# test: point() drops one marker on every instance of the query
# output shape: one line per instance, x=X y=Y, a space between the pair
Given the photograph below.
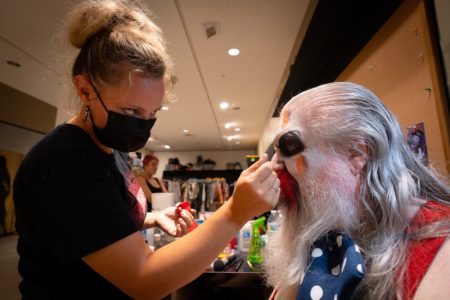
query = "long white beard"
x=327 y=203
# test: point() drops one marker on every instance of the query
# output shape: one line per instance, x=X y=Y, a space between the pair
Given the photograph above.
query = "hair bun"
x=89 y=17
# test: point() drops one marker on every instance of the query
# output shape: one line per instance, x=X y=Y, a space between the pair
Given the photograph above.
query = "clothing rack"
x=203 y=194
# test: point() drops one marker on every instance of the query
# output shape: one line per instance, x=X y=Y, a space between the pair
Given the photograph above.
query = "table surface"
x=238 y=282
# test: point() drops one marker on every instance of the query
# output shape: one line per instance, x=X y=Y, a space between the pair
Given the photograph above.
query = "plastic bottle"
x=273 y=223
x=157 y=241
x=255 y=255
x=245 y=235
x=150 y=233
x=144 y=235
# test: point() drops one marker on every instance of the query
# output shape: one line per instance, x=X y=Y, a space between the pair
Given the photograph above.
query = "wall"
x=18 y=140
x=268 y=135
x=442 y=8
x=220 y=157
x=398 y=65
x=25 y=111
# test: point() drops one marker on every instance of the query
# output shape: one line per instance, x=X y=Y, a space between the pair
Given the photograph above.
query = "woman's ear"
x=84 y=88
x=358 y=158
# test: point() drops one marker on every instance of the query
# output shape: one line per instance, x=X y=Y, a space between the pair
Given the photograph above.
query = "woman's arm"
x=131 y=266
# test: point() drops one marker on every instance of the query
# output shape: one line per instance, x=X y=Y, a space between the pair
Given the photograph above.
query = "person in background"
x=364 y=217
x=149 y=183
x=79 y=231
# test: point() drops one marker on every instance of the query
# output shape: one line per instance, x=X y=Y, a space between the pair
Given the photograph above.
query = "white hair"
x=343 y=116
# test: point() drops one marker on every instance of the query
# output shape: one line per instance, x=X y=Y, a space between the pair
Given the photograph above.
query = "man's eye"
x=290 y=143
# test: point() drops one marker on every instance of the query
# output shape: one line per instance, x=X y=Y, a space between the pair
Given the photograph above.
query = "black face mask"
x=122 y=132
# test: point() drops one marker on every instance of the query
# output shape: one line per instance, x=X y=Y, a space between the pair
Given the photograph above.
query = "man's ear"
x=358 y=158
x=84 y=88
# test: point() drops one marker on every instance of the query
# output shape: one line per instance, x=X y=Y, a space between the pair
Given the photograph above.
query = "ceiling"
x=265 y=31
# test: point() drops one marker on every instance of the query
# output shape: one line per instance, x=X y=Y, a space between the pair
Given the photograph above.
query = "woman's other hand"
x=173 y=223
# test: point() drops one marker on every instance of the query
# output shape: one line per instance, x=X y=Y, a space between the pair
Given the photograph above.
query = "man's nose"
x=277 y=162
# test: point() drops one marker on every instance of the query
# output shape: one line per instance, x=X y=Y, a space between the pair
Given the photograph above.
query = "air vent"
x=211 y=29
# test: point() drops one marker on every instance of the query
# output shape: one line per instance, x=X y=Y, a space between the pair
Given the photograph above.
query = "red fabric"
x=421 y=253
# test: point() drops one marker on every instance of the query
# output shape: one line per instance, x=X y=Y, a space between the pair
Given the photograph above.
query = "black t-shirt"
x=154 y=189
x=71 y=199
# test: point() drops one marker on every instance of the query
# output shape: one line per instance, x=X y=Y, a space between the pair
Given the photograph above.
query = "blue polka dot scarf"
x=335 y=269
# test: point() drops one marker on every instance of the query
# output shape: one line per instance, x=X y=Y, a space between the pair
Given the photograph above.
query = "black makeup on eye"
x=290 y=143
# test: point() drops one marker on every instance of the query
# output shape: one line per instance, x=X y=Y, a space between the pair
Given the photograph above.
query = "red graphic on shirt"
x=139 y=210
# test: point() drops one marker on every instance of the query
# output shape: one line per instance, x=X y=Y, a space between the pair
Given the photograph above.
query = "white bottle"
x=150 y=234
x=273 y=223
x=245 y=236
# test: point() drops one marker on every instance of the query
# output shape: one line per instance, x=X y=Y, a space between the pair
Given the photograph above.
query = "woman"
x=149 y=183
x=79 y=209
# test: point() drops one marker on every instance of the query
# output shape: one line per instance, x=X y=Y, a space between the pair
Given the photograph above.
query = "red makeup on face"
x=289 y=187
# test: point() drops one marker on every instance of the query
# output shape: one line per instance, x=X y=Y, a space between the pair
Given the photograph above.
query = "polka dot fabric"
x=335 y=269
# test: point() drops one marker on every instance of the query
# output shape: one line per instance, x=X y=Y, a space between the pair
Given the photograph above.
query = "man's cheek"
x=300 y=165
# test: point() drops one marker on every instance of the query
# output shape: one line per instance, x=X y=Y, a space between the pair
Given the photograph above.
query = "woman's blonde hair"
x=116 y=37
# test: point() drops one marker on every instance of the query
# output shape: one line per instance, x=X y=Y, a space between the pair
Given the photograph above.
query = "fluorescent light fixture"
x=237 y=129
x=185 y=130
x=165 y=107
x=237 y=142
x=228 y=125
x=230 y=137
x=167 y=146
x=233 y=52
x=224 y=105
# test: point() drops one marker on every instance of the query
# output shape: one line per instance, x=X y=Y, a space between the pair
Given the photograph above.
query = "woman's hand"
x=257 y=191
x=172 y=223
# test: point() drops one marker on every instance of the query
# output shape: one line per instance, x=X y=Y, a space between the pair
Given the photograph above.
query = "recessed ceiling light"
x=185 y=130
x=230 y=138
x=233 y=52
x=165 y=107
x=224 y=105
x=167 y=146
x=13 y=63
x=237 y=142
x=228 y=125
x=237 y=129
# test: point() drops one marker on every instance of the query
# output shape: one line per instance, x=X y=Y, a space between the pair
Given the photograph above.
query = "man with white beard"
x=348 y=175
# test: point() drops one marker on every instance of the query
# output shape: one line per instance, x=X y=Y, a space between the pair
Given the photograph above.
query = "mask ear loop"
x=100 y=98
x=88 y=110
